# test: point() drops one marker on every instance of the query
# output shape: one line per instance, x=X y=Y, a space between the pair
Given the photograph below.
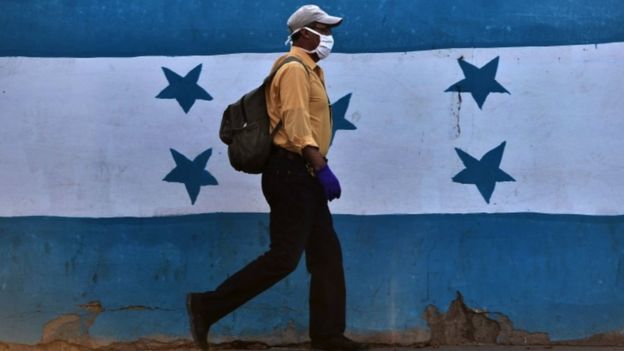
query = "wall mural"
x=184 y=89
x=476 y=144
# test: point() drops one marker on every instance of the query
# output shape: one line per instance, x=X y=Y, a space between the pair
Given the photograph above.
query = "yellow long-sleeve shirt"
x=299 y=99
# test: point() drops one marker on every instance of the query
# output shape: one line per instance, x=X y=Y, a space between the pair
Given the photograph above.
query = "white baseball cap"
x=307 y=14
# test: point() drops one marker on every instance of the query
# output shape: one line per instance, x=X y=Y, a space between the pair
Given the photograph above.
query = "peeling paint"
x=461 y=325
x=73 y=328
x=511 y=336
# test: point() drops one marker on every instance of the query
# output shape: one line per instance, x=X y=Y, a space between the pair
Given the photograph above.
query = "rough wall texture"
x=460 y=325
x=474 y=140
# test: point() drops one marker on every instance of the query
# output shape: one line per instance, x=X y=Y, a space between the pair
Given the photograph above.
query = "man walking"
x=297 y=184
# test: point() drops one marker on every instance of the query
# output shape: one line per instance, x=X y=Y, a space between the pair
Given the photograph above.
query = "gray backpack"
x=245 y=128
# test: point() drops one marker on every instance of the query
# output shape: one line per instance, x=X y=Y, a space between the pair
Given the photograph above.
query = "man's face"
x=309 y=40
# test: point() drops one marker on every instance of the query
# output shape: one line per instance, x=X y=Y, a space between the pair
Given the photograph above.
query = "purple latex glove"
x=330 y=183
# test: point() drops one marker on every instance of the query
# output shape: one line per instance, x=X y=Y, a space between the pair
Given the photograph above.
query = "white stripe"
x=86 y=137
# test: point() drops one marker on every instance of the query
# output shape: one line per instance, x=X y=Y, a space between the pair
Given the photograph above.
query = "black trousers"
x=300 y=222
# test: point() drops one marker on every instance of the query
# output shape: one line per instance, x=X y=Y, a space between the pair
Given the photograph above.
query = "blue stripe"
x=561 y=274
x=119 y=28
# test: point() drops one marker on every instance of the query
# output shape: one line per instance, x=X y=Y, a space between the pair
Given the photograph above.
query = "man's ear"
x=305 y=33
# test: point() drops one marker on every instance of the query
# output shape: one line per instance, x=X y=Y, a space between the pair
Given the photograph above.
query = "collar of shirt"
x=304 y=56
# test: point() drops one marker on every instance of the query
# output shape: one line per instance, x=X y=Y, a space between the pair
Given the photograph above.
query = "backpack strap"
x=269 y=79
x=288 y=59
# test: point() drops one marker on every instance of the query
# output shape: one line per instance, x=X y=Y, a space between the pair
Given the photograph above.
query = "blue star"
x=339 y=110
x=184 y=89
x=483 y=173
x=191 y=173
x=479 y=82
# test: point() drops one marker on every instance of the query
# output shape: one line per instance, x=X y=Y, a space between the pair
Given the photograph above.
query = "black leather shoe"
x=197 y=321
x=336 y=343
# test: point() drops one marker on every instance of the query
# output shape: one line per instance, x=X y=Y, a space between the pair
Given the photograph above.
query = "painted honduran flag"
x=478 y=145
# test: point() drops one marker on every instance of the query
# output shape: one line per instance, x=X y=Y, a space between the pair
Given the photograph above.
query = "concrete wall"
x=476 y=141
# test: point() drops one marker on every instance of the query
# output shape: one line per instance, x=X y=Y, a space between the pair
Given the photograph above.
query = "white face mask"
x=325 y=45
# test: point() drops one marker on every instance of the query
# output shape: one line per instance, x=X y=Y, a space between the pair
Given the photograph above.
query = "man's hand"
x=328 y=180
x=314 y=157
x=330 y=183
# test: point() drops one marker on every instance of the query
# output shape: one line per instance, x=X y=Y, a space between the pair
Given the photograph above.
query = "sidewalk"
x=185 y=345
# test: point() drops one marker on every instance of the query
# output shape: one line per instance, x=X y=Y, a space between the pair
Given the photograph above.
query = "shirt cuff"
x=301 y=142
